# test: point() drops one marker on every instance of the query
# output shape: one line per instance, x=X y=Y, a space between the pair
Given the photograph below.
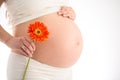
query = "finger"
x=25 y=50
x=64 y=8
x=28 y=45
x=19 y=51
x=33 y=46
x=72 y=16
x=59 y=12
x=67 y=9
x=69 y=14
x=66 y=15
x=31 y=43
x=63 y=13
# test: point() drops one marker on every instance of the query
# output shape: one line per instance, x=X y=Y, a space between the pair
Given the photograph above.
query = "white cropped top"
x=19 y=11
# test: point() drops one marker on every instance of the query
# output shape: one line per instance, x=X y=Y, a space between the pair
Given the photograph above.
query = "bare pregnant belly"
x=64 y=45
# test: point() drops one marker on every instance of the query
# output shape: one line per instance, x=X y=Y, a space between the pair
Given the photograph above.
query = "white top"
x=20 y=11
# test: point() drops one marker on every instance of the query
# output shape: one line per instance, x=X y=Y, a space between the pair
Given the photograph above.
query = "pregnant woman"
x=52 y=59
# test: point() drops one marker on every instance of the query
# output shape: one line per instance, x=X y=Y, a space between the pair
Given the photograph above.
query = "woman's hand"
x=67 y=12
x=22 y=45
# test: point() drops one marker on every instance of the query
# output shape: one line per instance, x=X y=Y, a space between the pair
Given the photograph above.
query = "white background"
x=99 y=22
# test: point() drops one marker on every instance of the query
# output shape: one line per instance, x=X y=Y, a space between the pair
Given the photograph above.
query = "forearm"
x=4 y=35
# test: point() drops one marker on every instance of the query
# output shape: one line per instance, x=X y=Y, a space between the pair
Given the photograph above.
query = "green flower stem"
x=26 y=68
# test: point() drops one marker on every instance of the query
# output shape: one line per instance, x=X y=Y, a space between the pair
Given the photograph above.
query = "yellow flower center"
x=37 y=31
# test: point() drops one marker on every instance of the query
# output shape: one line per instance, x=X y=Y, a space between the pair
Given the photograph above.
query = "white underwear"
x=36 y=70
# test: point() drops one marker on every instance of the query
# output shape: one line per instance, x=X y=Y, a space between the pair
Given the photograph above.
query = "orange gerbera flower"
x=38 y=31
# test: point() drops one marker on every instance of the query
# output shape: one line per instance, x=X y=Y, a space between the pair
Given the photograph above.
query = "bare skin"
x=63 y=47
